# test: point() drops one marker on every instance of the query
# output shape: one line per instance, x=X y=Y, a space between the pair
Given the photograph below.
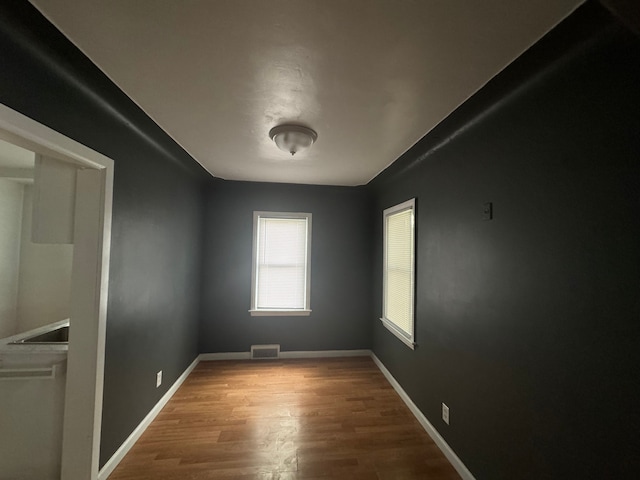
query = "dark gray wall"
x=528 y=325
x=153 y=309
x=340 y=268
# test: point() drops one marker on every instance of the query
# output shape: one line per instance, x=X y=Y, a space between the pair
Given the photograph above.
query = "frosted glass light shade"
x=292 y=138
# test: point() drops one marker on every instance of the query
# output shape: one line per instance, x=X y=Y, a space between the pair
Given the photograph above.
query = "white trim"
x=209 y=357
x=254 y=310
x=401 y=207
x=117 y=457
x=408 y=338
x=326 y=354
x=85 y=358
x=27 y=133
x=398 y=333
x=206 y=357
x=280 y=313
x=460 y=467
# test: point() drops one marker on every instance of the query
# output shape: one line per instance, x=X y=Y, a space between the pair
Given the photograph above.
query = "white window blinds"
x=398 y=295
x=281 y=262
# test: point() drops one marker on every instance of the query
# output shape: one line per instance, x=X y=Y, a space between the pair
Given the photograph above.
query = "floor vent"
x=261 y=352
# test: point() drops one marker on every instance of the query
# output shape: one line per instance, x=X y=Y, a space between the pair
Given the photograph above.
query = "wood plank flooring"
x=313 y=419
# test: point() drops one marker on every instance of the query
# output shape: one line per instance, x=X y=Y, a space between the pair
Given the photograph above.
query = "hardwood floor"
x=284 y=420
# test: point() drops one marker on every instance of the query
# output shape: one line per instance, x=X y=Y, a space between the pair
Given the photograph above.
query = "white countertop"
x=24 y=354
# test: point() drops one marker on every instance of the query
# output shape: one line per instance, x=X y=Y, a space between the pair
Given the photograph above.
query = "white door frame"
x=90 y=285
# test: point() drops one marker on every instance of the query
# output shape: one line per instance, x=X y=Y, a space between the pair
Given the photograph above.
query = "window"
x=399 y=271
x=281 y=263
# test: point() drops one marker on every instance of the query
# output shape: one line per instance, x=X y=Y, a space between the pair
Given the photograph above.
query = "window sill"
x=393 y=329
x=280 y=313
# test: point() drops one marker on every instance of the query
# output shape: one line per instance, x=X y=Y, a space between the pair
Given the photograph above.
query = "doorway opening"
x=83 y=179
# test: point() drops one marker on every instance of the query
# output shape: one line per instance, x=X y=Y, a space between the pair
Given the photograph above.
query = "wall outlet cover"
x=445 y=413
x=158 y=378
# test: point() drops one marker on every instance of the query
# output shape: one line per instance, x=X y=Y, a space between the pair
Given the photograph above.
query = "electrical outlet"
x=445 y=414
x=159 y=379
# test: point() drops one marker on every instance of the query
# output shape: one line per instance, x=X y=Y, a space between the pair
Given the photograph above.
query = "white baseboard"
x=460 y=467
x=117 y=457
x=286 y=355
x=205 y=357
x=326 y=354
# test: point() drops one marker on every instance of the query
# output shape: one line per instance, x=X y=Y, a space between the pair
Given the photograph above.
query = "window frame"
x=267 y=312
x=405 y=337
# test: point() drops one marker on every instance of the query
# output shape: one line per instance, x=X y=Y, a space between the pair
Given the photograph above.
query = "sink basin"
x=56 y=336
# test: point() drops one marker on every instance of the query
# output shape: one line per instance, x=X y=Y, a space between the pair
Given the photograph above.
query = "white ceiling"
x=370 y=76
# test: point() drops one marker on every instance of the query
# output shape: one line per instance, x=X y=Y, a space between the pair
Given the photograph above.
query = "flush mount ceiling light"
x=292 y=138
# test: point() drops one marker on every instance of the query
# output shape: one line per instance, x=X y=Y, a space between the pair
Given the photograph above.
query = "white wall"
x=10 y=224
x=44 y=294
